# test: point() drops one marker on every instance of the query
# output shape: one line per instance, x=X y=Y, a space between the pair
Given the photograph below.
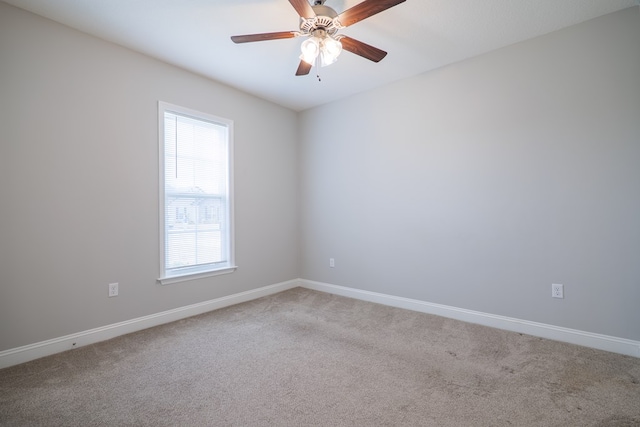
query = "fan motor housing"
x=322 y=10
x=323 y=20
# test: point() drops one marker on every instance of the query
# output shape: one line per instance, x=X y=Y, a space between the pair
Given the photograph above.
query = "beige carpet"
x=305 y=358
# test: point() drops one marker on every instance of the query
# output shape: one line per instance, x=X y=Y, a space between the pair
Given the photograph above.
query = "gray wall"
x=79 y=182
x=480 y=184
x=476 y=186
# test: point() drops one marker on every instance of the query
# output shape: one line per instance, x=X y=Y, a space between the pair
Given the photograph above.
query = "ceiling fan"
x=320 y=24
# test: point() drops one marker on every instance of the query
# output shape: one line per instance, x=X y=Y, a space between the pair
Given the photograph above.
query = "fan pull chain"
x=317 y=68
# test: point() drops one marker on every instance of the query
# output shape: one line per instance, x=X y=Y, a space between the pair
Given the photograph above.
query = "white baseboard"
x=573 y=336
x=29 y=352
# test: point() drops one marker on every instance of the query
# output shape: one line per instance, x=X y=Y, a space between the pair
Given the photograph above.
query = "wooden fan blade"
x=303 y=68
x=264 y=36
x=303 y=8
x=364 y=10
x=359 y=48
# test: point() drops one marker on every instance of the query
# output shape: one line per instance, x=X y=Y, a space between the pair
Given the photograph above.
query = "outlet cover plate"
x=557 y=290
x=113 y=290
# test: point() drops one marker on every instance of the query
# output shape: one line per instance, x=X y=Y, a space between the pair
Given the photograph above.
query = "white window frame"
x=187 y=274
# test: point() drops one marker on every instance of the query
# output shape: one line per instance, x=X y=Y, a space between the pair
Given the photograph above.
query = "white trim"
x=46 y=348
x=193 y=276
x=164 y=107
x=557 y=333
x=29 y=352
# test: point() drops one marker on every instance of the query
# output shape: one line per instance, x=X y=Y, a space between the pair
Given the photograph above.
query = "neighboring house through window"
x=196 y=205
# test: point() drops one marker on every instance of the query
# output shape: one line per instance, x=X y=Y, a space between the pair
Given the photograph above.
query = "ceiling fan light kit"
x=321 y=45
x=320 y=24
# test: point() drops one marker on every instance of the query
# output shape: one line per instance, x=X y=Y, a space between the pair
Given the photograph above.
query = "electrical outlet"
x=113 y=290
x=557 y=291
x=332 y=262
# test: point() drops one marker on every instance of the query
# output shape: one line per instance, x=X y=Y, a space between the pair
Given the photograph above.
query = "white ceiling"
x=420 y=35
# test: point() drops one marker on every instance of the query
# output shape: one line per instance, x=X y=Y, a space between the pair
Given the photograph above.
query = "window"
x=196 y=209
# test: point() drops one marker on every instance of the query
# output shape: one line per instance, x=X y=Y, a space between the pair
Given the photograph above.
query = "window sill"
x=183 y=278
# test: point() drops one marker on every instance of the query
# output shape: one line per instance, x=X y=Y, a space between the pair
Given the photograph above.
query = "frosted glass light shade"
x=330 y=51
x=327 y=48
x=310 y=49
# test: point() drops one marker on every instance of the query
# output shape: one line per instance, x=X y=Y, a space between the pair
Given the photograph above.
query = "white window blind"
x=196 y=211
